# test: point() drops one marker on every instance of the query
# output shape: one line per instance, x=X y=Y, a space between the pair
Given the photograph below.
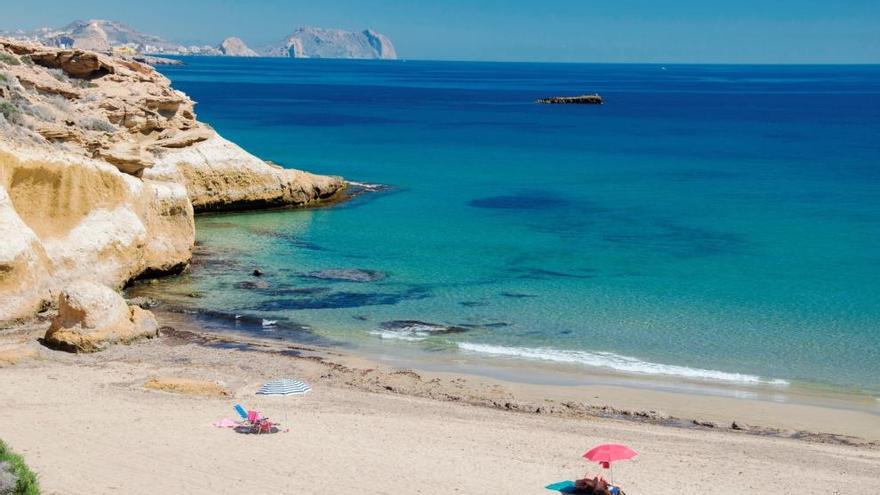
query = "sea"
x=707 y=224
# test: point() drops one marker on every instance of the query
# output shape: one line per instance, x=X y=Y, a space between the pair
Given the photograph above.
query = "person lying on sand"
x=596 y=486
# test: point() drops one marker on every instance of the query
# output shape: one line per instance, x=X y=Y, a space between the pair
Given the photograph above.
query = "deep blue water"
x=707 y=222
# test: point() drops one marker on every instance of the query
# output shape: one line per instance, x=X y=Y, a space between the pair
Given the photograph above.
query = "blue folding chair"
x=242 y=412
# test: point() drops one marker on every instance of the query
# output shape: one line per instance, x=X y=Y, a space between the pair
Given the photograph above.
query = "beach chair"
x=248 y=418
x=242 y=413
x=252 y=421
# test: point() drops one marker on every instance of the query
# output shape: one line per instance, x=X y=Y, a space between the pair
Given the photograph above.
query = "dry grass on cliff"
x=186 y=386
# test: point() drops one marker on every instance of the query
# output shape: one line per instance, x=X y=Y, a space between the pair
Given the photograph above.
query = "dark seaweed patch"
x=524 y=201
x=297 y=291
x=252 y=284
x=346 y=275
x=473 y=304
x=335 y=300
x=679 y=240
x=517 y=295
x=540 y=273
x=494 y=324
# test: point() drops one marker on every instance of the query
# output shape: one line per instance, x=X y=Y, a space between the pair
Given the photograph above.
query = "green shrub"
x=26 y=481
x=7 y=109
x=8 y=58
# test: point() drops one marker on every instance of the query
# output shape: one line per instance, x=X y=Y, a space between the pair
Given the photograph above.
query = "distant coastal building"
x=124 y=50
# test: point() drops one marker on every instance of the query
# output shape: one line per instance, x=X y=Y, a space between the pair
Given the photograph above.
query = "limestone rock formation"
x=92 y=316
x=102 y=166
x=219 y=175
x=312 y=42
x=24 y=265
x=235 y=47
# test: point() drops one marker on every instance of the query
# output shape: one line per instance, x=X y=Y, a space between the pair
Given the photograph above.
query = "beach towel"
x=225 y=423
x=562 y=487
x=569 y=487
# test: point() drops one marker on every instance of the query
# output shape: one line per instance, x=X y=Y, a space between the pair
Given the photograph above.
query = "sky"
x=654 y=31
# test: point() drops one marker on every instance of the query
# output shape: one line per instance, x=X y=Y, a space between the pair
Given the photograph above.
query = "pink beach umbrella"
x=607 y=453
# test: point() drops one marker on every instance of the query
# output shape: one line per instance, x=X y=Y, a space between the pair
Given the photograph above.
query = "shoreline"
x=822 y=418
x=518 y=364
x=106 y=422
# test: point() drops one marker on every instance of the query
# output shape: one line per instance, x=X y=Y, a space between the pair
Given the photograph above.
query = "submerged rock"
x=421 y=326
x=144 y=302
x=348 y=275
x=92 y=317
x=413 y=330
x=252 y=284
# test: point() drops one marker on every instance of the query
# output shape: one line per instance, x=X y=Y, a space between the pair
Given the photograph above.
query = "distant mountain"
x=105 y=36
x=312 y=42
x=307 y=42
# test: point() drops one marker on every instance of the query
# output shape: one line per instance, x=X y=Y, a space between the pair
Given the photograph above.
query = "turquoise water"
x=711 y=223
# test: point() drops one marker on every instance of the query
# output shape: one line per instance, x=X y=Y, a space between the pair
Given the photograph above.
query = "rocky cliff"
x=102 y=165
x=312 y=42
x=235 y=47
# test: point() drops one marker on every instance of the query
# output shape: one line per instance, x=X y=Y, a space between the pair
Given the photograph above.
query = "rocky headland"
x=312 y=42
x=235 y=47
x=102 y=167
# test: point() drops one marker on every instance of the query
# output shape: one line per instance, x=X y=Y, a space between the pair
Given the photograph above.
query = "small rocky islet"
x=593 y=99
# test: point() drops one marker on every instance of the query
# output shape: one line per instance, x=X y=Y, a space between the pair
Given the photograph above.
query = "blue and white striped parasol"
x=285 y=386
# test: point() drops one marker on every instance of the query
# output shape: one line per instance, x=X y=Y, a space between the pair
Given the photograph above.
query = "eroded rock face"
x=24 y=266
x=75 y=63
x=92 y=221
x=92 y=316
x=102 y=165
x=219 y=176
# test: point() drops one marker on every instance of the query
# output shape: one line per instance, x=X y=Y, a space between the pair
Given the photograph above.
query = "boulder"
x=129 y=158
x=93 y=316
x=75 y=63
x=23 y=265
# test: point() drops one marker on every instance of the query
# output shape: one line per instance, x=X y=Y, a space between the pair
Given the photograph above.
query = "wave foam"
x=409 y=337
x=616 y=362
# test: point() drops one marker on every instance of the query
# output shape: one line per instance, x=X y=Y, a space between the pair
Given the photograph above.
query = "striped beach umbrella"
x=285 y=386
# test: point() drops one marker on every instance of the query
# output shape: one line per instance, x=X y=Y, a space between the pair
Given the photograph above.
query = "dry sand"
x=87 y=425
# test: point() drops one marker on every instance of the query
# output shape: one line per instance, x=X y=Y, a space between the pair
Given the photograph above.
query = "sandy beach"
x=92 y=427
